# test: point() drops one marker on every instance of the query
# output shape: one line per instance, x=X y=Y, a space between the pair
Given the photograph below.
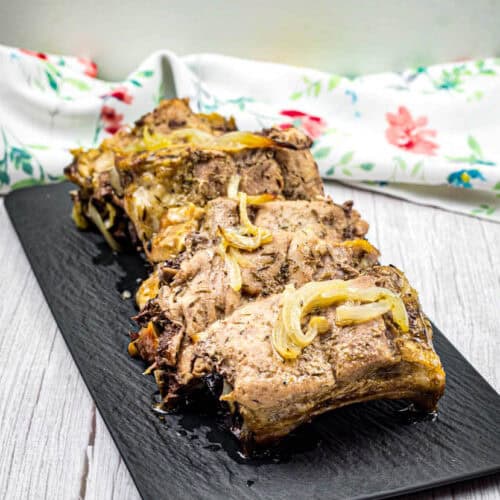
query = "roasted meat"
x=270 y=396
x=259 y=280
x=200 y=291
x=174 y=158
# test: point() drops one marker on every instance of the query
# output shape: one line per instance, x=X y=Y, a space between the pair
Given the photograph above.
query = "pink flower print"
x=406 y=133
x=90 y=67
x=112 y=120
x=40 y=55
x=122 y=94
x=312 y=125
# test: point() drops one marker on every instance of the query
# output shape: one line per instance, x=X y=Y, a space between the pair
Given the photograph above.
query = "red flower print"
x=121 y=93
x=40 y=55
x=89 y=66
x=407 y=133
x=112 y=120
x=312 y=125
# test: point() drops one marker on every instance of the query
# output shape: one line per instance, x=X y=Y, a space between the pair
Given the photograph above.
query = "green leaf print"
x=454 y=79
x=334 y=81
x=135 y=82
x=18 y=157
x=313 y=88
x=148 y=73
x=52 y=81
x=26 y=183
x=367 y=166
x=4 y=177
x=474 y=146
x=400 y=163
x=27 y=168
x=475 y=158
x=480 y=65
x=78 y=84
x=484 y=209
x=321 y=153
x=37 y=146
x=416 y=168
x=346 y=168
x=346 y=158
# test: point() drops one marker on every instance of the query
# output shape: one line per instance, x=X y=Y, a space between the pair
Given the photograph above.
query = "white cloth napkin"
x=430 y=135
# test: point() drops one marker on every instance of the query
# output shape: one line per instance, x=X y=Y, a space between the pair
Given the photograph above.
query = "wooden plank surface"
x=55 y=445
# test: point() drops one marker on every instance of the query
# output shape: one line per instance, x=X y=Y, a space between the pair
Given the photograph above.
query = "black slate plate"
x=368 y=450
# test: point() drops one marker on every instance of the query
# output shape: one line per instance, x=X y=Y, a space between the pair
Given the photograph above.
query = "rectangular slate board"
x=370 y=450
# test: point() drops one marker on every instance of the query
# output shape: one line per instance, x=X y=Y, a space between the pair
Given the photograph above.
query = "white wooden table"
x=53 y=443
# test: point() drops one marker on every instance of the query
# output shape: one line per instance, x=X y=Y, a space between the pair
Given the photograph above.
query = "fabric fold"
x=429 y=135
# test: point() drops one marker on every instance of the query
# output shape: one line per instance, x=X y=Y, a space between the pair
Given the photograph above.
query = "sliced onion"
x=279 y=337
x=109 y=222
x=232 y=266
x=132 y=349
x=96 y=218
x=296 y=305
x=354 y=314
x=244 y=220
x=359 y=243
x=77 y=215
x=247 y=237
x=249 y=243
x=232 y=187
x=114 y=180
x=148 y=290
x=230 y=142
x=259 y=199
x=235 y=141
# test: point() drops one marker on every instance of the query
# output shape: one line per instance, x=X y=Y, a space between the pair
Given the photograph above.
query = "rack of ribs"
x=258 y=280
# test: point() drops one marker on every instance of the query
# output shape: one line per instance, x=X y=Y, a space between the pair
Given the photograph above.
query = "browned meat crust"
x=138 y=184
x=272 y=396
x=198 y=321
x=306 y=246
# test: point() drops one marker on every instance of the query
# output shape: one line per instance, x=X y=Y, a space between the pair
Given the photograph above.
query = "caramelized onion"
x=148 y=290
x=232 y=187
x=77 y=215
x=359 y=243
x=247 y=237
x=288 y=337
x=96 y=218
x=353 y=314
x=230 y=142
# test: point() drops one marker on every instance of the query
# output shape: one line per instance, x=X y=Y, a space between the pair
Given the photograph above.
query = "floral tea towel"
x=430 y=135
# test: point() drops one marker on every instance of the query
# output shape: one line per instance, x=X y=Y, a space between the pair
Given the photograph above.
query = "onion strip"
x=232 y=187
x=247 y=237
x=289 y=339
x=354 y=314
x=96 y=218
x=359 y=243
x=229 y=142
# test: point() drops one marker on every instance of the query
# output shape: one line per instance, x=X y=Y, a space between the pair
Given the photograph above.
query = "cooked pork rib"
x=308 y=247
x=238 y=277
x=174 y=158
x=271 y=396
